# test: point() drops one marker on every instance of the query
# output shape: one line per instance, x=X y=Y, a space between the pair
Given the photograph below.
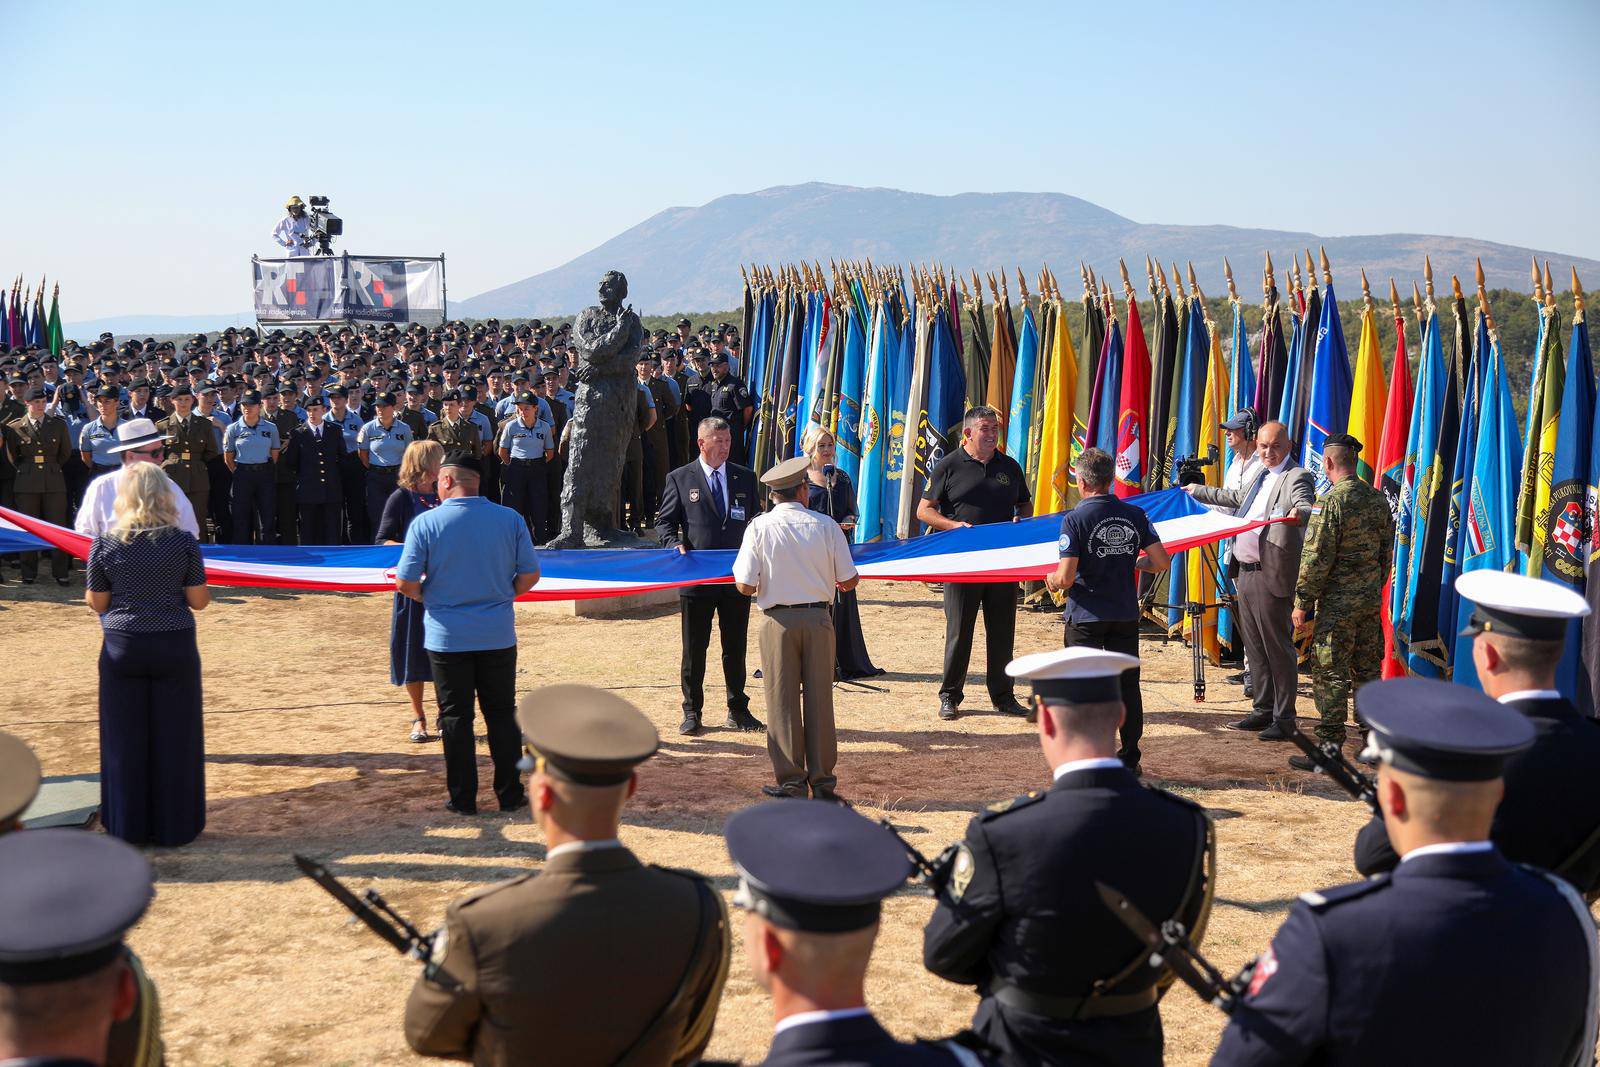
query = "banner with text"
x=349 y=288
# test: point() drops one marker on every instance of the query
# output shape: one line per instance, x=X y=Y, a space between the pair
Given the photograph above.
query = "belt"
x=1249 y=566
x=392 y=471
x=102 y=468
x=513 y=462
x=1073 y=1008
x=252 y=466
x=797 y=607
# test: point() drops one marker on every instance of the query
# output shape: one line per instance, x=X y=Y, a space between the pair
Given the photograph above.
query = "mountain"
x=687 y=258
x=153 y=325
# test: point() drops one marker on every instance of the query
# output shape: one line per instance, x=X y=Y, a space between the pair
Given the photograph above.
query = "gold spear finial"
x=1549 y=286
x=1311 y=271
x=1427 y=276
x=1455 y=287
x=1327 y=275
x=1004 y=292
x=1177 y=283
x=1162 y=275
x=1269 y=280
x=1083 y=272
x=1394 y=299
x=1366 y=291
x=1416 y=298
x=1022 y=283
x=1194 y=286
x=1150 y=276
x=1538 y=281
x=1109 y=301
x=1127 y=285
x=966 y=296
x=1227 y=269
x=1577 y=297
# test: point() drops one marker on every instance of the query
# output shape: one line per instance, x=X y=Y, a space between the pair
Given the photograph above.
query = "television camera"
x=323 y=228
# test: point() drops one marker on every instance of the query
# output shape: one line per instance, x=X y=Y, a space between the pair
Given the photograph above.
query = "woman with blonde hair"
x=417 y=492
x=146 y=580
x=833 y=494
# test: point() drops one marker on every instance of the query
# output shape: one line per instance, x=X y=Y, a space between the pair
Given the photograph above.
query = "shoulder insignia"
x=1318 y=900
x=961 y=871
x=1033 y=796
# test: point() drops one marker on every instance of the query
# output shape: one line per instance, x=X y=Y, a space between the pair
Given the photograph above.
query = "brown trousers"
x=51 y=507
x=797 y=648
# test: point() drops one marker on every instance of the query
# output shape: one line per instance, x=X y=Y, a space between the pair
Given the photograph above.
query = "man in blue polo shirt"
x=1099 y=547
x=465 y=562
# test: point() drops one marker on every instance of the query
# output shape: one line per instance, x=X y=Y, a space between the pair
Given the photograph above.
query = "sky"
x=151 y=146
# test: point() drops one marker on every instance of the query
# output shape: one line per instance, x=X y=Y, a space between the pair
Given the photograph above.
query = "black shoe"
x=1259 y=720
x=947 y=708
x=1302 y=763
x=1135 y=768
x=1239 y=679
x=516 y=805
x=61 y=581
x=1012 y=707
x=451 y=807
x=743 y=720
x=832 y=798
x=777 y=792
x=690 y=724
x=1249 y=690
x=1273 y=733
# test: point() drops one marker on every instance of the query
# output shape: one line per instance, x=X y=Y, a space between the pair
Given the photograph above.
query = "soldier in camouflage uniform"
x=1348 y=546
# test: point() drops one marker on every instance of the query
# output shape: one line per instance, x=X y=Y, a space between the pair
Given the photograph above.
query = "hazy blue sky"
x=150 y=146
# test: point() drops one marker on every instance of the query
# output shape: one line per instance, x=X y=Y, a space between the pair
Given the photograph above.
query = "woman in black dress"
x=408 y=660
x=146 y=580
x=833 y=494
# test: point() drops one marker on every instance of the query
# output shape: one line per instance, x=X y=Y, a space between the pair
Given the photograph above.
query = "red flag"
x=1133 y=414
x=1389 y=470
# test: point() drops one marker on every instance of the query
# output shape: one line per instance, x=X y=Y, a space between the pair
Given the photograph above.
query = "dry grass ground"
x=307 y=751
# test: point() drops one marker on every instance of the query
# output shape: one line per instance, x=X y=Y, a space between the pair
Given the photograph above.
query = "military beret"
x=1342 y=439
x=464 y=461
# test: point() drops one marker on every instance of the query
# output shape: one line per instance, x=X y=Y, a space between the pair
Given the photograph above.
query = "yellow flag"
x=1200 y=584
x=1055 y=438
x=1368 y=401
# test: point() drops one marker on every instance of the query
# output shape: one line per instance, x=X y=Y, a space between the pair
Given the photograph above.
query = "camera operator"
x=293 y=230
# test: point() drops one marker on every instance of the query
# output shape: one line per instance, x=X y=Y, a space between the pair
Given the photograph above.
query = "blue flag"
x=1241 y=375
x=1488 y=527
x=874 y=424
x=1568 y=520
x=1019 y=420
x=1191 y=383
x=1292 y=371
x=1104 y=432
x=1331 y=386
x=851 y=377
x=1455 y=546
x=1428 y=415
x=1530 y=437
x=902 y=361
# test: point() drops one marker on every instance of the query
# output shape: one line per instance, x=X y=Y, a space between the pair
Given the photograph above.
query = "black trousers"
x=1116 y=637
x=380 y=483
x=221 y=501
x=962 y=600
x=52 y=508
x=319 y=522
x=555 y=471
x=152 y=738
x=490 y=677
x=255 y=505
x=359 y=526
x=523 y=488
x=288 y=508
x=731 y=609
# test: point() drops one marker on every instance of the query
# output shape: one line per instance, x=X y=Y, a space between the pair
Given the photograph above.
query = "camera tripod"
x=1194 y=612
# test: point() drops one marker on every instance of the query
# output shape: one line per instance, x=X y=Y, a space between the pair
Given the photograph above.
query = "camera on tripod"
x=1191 y=469
x=324 y=227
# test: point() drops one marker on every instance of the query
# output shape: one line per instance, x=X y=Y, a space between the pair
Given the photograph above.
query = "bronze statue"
x=608 y=339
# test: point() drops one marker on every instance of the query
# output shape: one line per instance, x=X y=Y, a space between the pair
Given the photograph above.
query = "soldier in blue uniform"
x=358 y=523
x=812 y=878
x=381 y=444
x=527 y=444
x=1460 y=956
x=1019 y=914
x=99 y=434
x=1550 y=816
x=250 y=447
x=313 y=455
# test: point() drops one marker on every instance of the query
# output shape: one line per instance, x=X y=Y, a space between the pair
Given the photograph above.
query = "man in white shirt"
x=791 y=560
x=138 y=441
x=290 y=233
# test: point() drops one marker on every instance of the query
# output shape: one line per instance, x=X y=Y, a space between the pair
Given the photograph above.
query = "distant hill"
x=153 y=325
x=689 y=257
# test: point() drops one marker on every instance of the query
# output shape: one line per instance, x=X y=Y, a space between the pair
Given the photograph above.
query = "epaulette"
x=682 y=872
x=494 y=887
x=1322 y=899
x=1033 y=796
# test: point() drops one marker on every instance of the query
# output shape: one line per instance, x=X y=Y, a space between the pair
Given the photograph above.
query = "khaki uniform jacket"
x=573 y=964
x=38 y=452
x=460 y=434
x=10 y=408
x=192 y=446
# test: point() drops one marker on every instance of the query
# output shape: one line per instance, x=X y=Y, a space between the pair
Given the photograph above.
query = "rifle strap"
x=705 y=936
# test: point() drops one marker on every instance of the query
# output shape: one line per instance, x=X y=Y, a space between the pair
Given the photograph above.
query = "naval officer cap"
x=1519 y=606
x=19 y=777
x=813 y=865
x=788 y=474
x=1077 y=675
x=69 y=897
x=1440 y=730
x=584 y=735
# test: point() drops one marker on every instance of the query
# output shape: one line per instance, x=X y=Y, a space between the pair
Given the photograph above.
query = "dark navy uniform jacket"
x=1459 y=959
x=1031 y=916
x=1552 y=801
x=315 y=464
x=859 y=1041
x=688 y=515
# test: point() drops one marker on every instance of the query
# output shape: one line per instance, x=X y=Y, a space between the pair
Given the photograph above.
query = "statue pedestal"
x=637 y=605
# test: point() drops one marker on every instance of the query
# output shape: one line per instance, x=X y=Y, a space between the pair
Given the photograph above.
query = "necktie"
x=716 y=494
x=1255 y=487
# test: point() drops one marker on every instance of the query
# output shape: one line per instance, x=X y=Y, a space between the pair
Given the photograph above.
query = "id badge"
x=736 y=513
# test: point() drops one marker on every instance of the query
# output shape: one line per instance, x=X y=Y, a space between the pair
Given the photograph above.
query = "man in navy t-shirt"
x=1100 y=543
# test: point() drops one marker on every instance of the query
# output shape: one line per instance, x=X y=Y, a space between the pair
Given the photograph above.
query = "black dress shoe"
x=1257 y=721
x=1273 y=733
x=515 y=805
x=1135 y=768
x=947 y=708
x=1302 y=763
x=1012 y=707
x=451 y=807
x=690 y=724
x=743 y=720
x=777 y=792
x=832 y=798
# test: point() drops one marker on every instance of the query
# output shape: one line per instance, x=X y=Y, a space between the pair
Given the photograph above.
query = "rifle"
x=935 y=872
x=1330 y=760
x=1170 y=945
x=381 y=918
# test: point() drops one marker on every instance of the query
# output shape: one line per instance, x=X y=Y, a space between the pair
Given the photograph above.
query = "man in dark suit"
x=1019 y=912
x=313 y=456
x=1550 y=816
x=706 y=504
x=1264 y=567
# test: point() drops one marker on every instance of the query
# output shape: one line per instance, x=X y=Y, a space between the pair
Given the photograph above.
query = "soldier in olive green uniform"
x=1342 y=569
x=38 y=445
x=452 y=430
x=597 y=958
x=191 y=445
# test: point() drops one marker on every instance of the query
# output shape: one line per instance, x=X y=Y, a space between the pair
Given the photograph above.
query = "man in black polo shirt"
x=974 y=485
x=1099 y=546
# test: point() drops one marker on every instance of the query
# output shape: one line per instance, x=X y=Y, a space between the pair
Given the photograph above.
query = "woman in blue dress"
x=414 y=494
x=833 y=494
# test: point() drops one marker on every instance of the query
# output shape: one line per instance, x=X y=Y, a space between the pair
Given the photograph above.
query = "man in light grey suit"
x=1264 y=565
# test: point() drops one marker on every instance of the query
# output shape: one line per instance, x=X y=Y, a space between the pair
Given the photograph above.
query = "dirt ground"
x=307 y=751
